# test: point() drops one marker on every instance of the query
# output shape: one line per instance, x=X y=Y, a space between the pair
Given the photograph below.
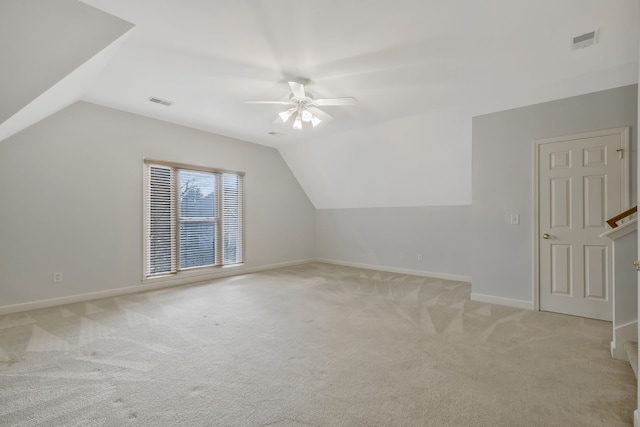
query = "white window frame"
x=218 y=220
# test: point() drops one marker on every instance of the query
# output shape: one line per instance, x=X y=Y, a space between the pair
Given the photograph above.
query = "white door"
x=582 y=182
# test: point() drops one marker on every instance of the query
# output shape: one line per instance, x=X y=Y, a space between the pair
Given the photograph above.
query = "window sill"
x=195 y=274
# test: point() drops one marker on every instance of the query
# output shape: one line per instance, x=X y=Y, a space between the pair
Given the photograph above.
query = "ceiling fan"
x=304 y=107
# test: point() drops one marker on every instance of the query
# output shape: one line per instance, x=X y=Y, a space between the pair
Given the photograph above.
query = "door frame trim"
x=624 y=133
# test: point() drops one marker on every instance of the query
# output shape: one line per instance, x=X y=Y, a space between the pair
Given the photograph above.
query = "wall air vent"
x=160 y=101
x=584 y=40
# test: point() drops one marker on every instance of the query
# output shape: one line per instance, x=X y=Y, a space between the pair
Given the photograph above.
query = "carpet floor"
x=309 y=345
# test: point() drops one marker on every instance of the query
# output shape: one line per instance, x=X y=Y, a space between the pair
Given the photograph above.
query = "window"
x=193 y=218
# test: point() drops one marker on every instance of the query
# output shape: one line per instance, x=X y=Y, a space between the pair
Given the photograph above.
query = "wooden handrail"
x=612 y=221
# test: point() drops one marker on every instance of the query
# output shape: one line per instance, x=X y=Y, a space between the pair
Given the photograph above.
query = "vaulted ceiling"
x=420 y=69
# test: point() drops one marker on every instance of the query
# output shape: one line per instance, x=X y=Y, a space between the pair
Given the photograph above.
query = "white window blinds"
x=160 y=221
x=232 y=218
x=194 y=218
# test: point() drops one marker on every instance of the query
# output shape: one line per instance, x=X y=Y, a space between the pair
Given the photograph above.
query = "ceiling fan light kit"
x=304 y=107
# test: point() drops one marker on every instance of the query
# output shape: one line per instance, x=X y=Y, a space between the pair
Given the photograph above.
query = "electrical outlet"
x=419 y=257
x=57 y=277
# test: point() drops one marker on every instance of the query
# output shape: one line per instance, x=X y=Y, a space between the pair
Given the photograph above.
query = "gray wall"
x=503 y=180
x=393 y=237
x=71 y=200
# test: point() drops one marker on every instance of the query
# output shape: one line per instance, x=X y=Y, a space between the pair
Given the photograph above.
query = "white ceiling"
x=420 y=70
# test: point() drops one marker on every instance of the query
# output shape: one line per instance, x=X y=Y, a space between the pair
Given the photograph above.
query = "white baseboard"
x=420 y=273
x=148 y=286
x=509 y=302
x=622 y=334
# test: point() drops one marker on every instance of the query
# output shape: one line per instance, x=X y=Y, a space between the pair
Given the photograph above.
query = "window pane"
x=197 y=200
x=160 y=227
x=197 y=244
x=232 y=219
x=197 y=194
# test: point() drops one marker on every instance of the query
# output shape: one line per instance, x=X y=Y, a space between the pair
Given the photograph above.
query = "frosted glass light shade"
x=286 y=114
x=298 y=123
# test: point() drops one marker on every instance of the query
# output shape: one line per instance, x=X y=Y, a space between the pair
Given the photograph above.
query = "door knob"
x=546 y=236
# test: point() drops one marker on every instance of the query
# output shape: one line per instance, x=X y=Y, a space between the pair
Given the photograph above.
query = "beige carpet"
x=311 y=345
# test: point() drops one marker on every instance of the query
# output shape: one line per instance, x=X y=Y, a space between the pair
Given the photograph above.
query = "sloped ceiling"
x=51 y=51
x=420 y=70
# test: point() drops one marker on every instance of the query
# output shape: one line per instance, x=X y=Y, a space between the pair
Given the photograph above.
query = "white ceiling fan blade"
x=335 y=101
x=268 y=102
x=298 y=90
x=320 y=114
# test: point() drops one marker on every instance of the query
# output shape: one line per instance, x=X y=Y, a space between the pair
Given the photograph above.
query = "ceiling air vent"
x=160 y=101
x=584 y=40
